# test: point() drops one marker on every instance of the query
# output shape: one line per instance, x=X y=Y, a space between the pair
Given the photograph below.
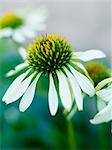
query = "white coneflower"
x=19 y=25
x=52 y=55
x=104 y=101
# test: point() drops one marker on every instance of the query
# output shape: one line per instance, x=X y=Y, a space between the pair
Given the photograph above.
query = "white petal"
x=22 y=52
x=29 y=95
x=18 y=37
x=104 y=115
x=23 y=13
x=64 y=91
x=37 y=16
x=32 y=28
x=18 y=89
x=84 y=82
x=14 y=85
x=105 y=94
x=103 y=83
x=28 y=31
x=89 y=55
x=10 y=73
x=52 y=97
x=100 y=104
x=7 y=32
x=17 y=69
x=76 y=90
x=40 y=27
x=83 y=69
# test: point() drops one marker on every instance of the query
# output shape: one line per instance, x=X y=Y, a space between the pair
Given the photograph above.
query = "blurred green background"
x=36 y=128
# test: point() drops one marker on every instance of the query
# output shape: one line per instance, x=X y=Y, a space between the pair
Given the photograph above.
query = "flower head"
x=10 y=20
x=49 y=53
x=97 y=71
x=53 y=55
x=104 y=102
x=21 y=25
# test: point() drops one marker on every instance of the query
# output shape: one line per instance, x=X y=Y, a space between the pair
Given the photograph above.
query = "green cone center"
x=10 y=20
x=49 y=53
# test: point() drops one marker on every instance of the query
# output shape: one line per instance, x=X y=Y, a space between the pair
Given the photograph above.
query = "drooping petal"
x=83 y=69
x=105 y=115
x=37 y=16
x=103 y=83
x=22 y=52
x=76 y=90
x=18 y=89
x=64 y=91
x=7 y=32
x=52 y=97
x=15 y=85
x=29 y=95
x=84 y=82
x=40 y=27
x=17 y=69
x=100 y=104
x=28 y=31
x=105 y=94
x=89 y=55
x=18 y=36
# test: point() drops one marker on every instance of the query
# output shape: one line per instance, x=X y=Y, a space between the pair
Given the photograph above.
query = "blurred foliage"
x=36 y=128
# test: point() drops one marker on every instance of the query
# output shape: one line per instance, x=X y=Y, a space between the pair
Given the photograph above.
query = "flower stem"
x=70 y=128
x=71 y=135
x=73 y=111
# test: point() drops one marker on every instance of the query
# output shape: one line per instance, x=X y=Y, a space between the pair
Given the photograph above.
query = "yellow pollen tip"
x=51 y=52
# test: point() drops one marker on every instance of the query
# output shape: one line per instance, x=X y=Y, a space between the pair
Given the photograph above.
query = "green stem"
x=71 y=135
x=71 y=114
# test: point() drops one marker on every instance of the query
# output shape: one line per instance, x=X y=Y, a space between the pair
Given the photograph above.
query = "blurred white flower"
x=24 y=24
x=104 y=102
x=52 y=55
